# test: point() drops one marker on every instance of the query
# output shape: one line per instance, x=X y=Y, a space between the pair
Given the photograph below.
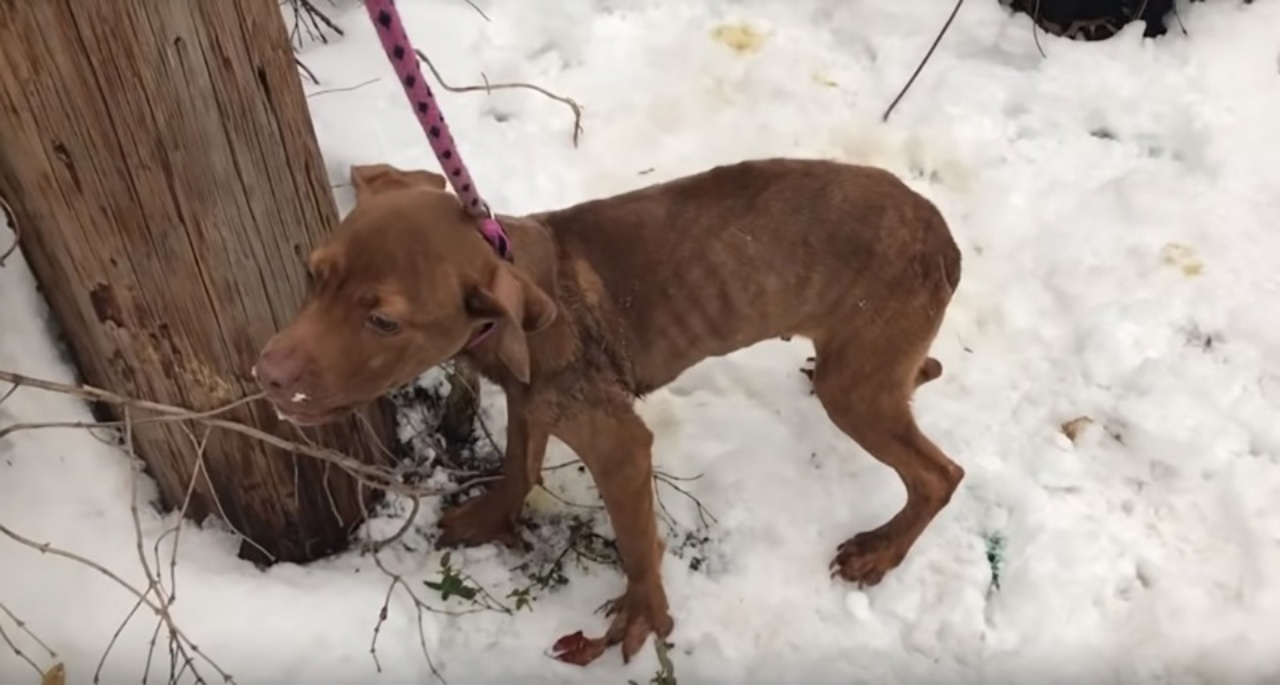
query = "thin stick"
x=91 y=425
x=137 y=526
x=490 y=87
x=479 y=11
x=1035 y=30
x=379 y=545
x=102 y=660
x=317 y=15
x=22 y=625
x=703 y=512
x=343 y=89
x=375 y=476
x=10 y=220
x=306 y=70
x=475 y=392
x=419 y=608
x=222 y=513
x=48 y=548
x=16 y=650
x=569 y=503
x=1178 y=15
x=927 y=55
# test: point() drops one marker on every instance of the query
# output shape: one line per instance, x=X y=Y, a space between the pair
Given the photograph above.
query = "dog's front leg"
x=616 y=446
x=492 y=516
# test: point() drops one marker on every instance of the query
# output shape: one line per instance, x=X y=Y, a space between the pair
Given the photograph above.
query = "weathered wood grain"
x=161 y=159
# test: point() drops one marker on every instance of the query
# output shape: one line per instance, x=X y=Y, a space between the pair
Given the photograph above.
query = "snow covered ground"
x=1118 y=205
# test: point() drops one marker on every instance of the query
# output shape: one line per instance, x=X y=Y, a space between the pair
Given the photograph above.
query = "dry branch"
x=183 y=655
x=307 y=17
x=479 y=11
x=158 y=610
x=373 y=476
x=490 y=87
x=11 y=221
x=22 y=626
x=18 y=651
x=927 y=55
x=344 y=89
x=306 y=70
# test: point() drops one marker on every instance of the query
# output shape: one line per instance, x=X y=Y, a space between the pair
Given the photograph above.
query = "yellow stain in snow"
x=56 y=675
x=822 y=79
x=740 y=38
x=540 y=501
x=1184 y=258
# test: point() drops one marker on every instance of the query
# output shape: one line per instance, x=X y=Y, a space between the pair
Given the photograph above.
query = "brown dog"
x=613 y=298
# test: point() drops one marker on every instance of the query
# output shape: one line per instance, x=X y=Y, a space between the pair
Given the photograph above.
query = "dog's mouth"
x=288 y=411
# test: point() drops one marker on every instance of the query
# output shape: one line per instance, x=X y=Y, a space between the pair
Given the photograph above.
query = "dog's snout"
x=278 y=370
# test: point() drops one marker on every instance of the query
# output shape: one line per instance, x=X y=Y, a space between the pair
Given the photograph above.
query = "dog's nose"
x=278 y=370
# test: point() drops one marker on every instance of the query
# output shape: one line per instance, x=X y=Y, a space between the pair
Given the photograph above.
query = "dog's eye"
x=383 y=323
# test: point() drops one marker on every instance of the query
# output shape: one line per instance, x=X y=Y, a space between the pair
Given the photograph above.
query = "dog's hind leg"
x=867 y=393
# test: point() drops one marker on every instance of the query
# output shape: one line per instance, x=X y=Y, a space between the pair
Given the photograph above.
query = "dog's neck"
x=536 y=255
x=534 y=249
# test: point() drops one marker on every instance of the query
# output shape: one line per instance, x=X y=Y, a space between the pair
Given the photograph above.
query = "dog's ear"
x=323 y=262
x=372 y=179
x=518 y=306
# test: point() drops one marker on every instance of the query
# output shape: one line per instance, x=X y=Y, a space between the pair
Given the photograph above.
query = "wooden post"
x=164 y=171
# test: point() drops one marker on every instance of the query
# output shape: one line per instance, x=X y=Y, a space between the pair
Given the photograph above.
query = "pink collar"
x=479 y=336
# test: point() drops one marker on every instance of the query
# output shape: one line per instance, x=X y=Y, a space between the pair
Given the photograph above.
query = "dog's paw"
x=865 y=558
x=637 y=614
x=484 y=519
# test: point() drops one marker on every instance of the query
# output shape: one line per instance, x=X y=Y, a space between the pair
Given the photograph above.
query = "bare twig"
x=304 y=11
x=155 y=585
x=1178 y=15
x=475 y=392
x=10 y=220
x=1035 y=29
x=93 y=425
x=306 y=70
x=22 y=625
x=563 y=465
x=318 y=16
x=561 y=499
x=48 y=548
x=490 y=87
x=420 y=608
x=222 y=513
x=18 y=651
x=927 y=55
x=1141 y=10
x=377 y=477
x=479 y=11
x=102 y=660
x=376 y=546
x=671 y=481
x=343 y=89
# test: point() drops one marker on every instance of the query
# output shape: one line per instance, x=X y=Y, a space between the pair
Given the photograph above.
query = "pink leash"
x=404 y=60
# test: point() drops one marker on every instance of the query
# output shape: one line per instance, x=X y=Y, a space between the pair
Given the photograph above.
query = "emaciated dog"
x=613 y=298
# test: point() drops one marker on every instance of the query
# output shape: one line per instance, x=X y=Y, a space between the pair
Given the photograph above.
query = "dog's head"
x=404 y=283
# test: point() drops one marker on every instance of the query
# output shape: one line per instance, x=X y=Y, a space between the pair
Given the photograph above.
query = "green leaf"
x=452 y=585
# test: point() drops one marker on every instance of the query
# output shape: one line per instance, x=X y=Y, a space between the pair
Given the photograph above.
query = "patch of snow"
x=1116 y=204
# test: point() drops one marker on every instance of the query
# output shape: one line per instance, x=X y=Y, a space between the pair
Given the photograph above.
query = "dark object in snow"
x=1096 y=19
